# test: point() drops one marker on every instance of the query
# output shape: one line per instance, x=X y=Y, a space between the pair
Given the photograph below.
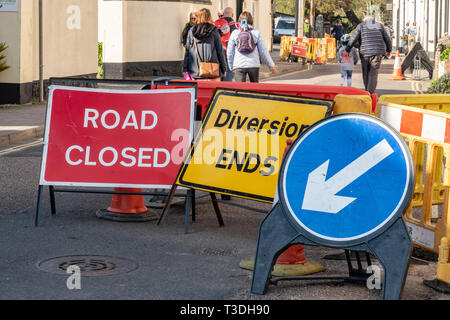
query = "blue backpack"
x=245 y=43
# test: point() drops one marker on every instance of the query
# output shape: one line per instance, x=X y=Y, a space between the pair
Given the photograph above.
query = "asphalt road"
x=329 y=74
x=203 y=264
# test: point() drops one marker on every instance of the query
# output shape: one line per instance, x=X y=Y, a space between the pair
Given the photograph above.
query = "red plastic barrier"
x=206 y=90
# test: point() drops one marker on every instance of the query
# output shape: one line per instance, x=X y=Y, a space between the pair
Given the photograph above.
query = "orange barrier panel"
x=323 y=48
x=426 y=133
x=205 y=90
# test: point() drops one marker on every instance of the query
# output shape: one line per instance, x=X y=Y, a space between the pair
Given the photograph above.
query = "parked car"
x=285 y=26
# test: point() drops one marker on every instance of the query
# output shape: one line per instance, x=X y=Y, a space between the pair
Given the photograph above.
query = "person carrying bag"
x=206 y=69
x=204 y=57
x=244 y=49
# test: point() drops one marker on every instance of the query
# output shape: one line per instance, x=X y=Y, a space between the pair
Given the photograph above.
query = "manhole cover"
x=89 y=265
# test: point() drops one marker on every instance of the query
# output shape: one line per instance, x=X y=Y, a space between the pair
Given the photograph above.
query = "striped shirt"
x=372 y=37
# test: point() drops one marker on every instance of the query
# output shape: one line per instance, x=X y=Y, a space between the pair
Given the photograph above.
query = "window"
x=283 y=24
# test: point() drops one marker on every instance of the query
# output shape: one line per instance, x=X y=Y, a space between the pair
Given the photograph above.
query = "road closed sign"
x=243 y=137
x=116 y=138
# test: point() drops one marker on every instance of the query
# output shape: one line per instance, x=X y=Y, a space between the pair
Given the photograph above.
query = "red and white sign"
x=430 y=125
x=116 y=138
x=299 y=50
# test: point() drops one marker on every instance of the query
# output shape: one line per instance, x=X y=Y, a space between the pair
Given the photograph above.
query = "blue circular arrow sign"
x=346 y=177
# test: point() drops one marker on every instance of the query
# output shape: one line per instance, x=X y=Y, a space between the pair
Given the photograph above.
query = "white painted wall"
x=427 y=26
x=70 y=40
x=144 y=31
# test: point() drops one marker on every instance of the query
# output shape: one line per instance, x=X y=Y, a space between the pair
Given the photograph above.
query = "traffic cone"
x=319 y=56
x=127 y=207
x=397 y=72
x=292 y=262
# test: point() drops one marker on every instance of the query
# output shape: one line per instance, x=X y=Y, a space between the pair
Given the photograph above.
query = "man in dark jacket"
x=228 y=17
x=374 y=44
x=209 y=45
x=337 y=32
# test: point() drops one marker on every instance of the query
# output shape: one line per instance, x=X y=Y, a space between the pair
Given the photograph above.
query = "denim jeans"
x=346 y=74
x=229 y=76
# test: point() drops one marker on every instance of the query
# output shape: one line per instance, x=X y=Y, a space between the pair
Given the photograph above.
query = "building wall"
x=9 y=33
x=69 y=39
x=262 y=12
x=72 y=35
x=143 y=38
x=431 y=17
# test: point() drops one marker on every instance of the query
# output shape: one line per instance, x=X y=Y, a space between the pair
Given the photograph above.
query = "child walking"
x=346 y=61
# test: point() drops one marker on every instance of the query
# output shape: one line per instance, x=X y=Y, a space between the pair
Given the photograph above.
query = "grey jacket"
x=372 y=37
x=209 y=48
x=347 y=63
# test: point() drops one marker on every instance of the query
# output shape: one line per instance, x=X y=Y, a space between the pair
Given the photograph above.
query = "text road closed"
x=116 y=138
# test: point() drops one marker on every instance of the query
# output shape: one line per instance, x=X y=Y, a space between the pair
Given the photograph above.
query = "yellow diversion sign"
x=239 y=148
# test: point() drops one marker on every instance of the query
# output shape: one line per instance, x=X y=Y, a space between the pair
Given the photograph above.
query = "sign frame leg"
x=217 y=209
x=187 y=209
x=275 y=234
x=395 y=262
x=167 y=205
x=52 y=200
x=38 y=205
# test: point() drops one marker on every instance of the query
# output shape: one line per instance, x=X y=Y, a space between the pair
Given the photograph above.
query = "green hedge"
x=100 y=61
x=3 y=65
x=441 y=85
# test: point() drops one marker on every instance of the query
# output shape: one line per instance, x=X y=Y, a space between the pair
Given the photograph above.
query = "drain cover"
x=89 y=265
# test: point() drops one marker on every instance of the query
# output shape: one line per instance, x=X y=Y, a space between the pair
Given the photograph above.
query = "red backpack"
x=224 y=28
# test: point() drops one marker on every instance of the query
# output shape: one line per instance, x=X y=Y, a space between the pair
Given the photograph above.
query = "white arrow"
x=320 y=195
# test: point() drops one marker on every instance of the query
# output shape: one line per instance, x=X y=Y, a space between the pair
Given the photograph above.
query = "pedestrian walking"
x=226 y=26
x=374 y=45
x=306 y=29
x=244 y=49
x=337 y=32
x=346 y=61
x=389 y=30
x=412 y=36
x=192 y=22
x=404 y=39
x=204 y=50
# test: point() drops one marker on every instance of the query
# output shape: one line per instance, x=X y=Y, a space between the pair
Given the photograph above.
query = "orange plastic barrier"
x=323 y=48
x=426 y=133
x=205 y=90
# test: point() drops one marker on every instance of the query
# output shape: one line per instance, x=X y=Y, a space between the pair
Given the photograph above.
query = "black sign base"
x=392 y=248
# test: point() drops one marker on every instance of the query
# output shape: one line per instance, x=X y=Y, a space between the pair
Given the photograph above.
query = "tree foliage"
x=331 y=9
x=286 y=6
x=3 y=65
x=338 y=8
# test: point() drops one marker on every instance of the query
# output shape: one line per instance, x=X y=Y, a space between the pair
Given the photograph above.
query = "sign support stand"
x=277 y=233
x=38 y=206
x=189 y=205
x=53 y=190
x=62 y=91
x=334 y=192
